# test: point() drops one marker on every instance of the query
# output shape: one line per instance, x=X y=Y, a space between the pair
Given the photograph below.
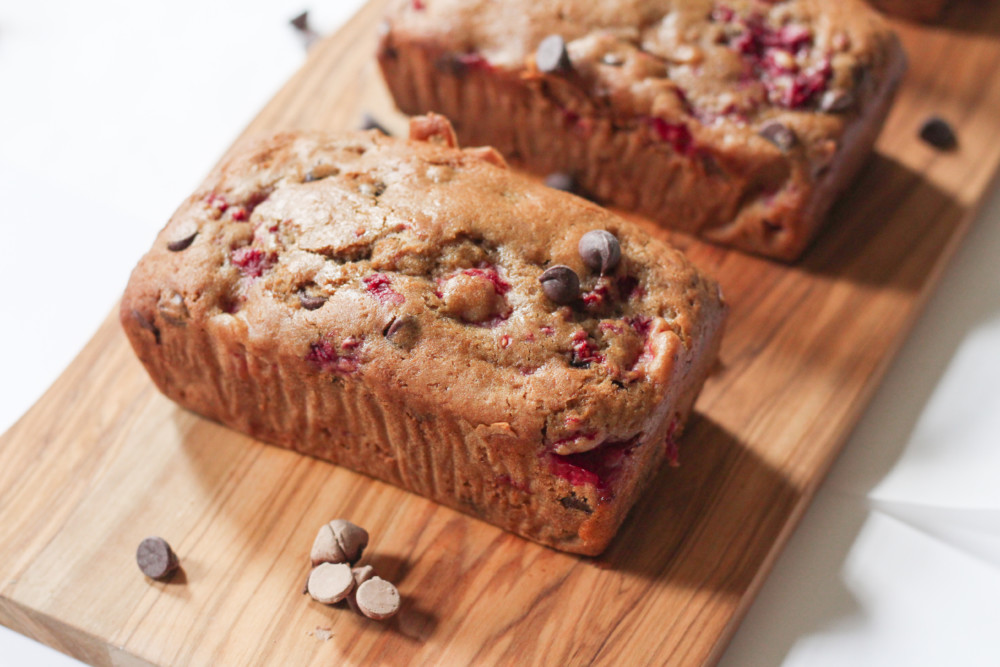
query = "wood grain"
x=102 y=460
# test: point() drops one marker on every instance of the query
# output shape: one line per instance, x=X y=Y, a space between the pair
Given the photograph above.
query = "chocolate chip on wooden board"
x=937 y=132
x=361 y=575
x=560 y=284
x=156 y=559
x=330 y=583
x=600 y=250
x=301 y=23
x=377 y=598
x=339 y=541
x=552 y=56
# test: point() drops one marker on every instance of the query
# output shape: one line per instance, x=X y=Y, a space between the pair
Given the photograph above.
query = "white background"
x=111 y=113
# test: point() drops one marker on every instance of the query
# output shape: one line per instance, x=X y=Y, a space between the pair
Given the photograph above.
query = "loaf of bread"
x=736 y=121
x=378 y=303
x=917 y=10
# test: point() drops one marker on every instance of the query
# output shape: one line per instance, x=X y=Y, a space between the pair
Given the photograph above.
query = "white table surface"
x=110 y=114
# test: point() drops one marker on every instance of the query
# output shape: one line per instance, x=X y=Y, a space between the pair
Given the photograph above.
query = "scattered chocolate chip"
x=361 y=575
x=836 y=101
x=369 y=122
x=561 y=181
x=326 y=548
x=330 y=582
x=311 y=302
x=574 y=502
x=938 y=133
x=779 y=134
x=377 y=598
x=183 y=236
x=301 y=23
x=156 y=559
x=600 y=250
x=339 y=541
x=560 y=284
x=551 y=56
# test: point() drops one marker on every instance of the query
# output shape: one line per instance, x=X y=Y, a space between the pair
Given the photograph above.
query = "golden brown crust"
x=666 y=105
x=376 y=303
x=917 y=10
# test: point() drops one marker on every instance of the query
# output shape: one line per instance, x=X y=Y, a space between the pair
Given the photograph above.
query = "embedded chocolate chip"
x=600 y=250
x=836 y=101
x=574 y=502
x=155 y=558
x=551 y=56
x=311 y=302
x=938 y=133
x=771 y=228
x=369 y=122
x=449 y=64
x=375 y=189
x=320 y=171
x=561 y=181
x=779 y=134
x=144 y=322
x=560 y=284
x=172 y=308
x=183 y=236
x=402 y=331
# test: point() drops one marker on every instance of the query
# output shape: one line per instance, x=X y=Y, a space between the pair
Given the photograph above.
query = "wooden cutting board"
x=102 y=460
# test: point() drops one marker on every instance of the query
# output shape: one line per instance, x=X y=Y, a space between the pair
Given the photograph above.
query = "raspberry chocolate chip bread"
x=737 y=121
x=378 y=303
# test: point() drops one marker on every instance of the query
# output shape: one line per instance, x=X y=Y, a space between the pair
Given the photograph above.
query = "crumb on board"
x=322 y=634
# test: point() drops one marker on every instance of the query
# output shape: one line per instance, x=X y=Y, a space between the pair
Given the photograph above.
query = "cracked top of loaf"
x=414 y=267
x=731 y=66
